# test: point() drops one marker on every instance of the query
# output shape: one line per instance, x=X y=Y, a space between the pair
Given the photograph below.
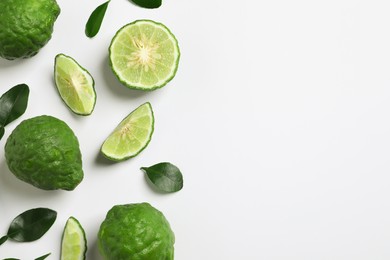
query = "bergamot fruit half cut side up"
x=75 y=85
x=144 y=55
x=136 y=231
x=44 y=152
x=131 y=136
x=26 y=26
x=74 y=242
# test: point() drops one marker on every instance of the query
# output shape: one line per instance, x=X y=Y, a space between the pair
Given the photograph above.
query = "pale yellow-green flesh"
x=131 y=135
x=73 y=245
x=144 y=54
x=74 y=85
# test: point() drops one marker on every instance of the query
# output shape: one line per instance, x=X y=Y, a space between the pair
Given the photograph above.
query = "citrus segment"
x=75 y=85
x=131 y=136
x=74 y=243
x=144 y=55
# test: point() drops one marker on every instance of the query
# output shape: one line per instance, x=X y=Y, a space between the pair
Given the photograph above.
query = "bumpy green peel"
x=26 y=26
x=136 y=232
x=44 y=152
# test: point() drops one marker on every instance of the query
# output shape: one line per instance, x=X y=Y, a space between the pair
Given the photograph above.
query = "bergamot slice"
x=131 y=136
x=75 y=85
x=144 y=55
x=74 y=242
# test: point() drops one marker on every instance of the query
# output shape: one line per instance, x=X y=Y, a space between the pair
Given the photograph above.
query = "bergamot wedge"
x=75 y=85
x=131 y=136
x=74 y=242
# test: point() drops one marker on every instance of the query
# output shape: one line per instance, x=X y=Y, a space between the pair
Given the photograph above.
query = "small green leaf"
x=2 y=130
x=95 y=20
x=3 y=239
x=43 y=257
x=39 y=258
x=31 y=224
x=148 y=3
x=13 y=103
x=165 y=176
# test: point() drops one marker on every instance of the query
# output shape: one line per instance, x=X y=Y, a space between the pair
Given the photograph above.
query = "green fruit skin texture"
x=136 y=232
x=44 y=152
x=26 y=26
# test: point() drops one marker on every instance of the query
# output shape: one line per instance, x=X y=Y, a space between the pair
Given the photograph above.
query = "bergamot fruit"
x=136 y=232
x=26 y=26
x=44 y=151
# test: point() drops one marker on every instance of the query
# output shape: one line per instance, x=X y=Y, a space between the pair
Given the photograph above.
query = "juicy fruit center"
x=77 y=79
x=146 y=54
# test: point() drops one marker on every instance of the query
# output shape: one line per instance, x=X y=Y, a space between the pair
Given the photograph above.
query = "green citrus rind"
x=44 y=152
x=75 y=108
x=26 y=26
x=109 y=154
x=175 y=65
x=136 y=231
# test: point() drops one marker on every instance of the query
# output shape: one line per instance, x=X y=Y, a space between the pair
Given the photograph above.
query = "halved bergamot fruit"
x=75 y=85
x=144 y=55
x=131 y=136
x=74 y=242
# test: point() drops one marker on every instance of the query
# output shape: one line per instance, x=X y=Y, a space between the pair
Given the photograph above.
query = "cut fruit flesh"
x=131 y=136
x=144 y=55
x=74 y=243
x=75 y=85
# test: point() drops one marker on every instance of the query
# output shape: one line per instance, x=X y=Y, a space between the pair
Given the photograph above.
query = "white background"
x=278 y=118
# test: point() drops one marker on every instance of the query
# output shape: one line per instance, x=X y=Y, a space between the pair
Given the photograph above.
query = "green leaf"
x=31 y=224
x=148 y=3
x=13 y=103
x=95 y=20
x=43 y=257
x=3 y=239
x=2 y=130
x=39 y=258
x=165 y=176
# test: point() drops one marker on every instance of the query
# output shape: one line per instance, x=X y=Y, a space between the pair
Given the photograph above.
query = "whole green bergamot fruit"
x=136 y=232
x=26 y=26
x=44 y=152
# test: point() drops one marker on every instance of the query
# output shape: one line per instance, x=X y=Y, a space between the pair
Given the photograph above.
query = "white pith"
x=146 y=54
